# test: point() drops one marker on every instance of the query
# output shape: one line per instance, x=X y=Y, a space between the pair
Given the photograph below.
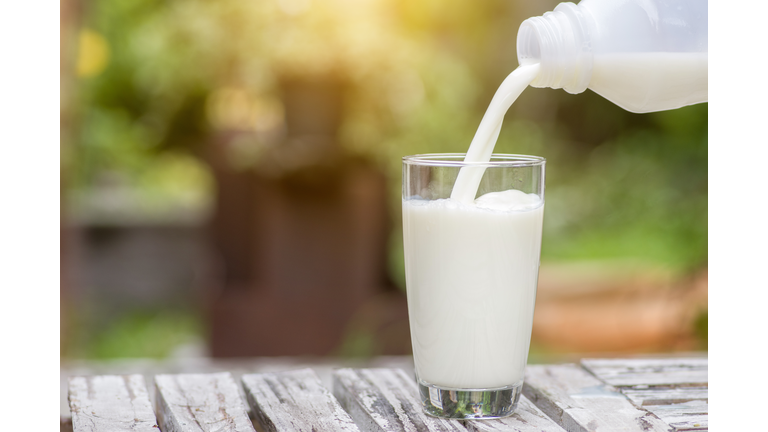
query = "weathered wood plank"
x=680 y=409
x=526 y=418
x=672 y=389
x=110 y=403
x=692 y=415
x=200 y=403
x=387 y=400
x=688 y=422
x=650 y=372
x=579 y=402
x=665 y=396
x=698 y=422
x=295 y=401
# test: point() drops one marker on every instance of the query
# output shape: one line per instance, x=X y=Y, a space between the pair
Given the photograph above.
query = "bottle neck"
x=560 y=41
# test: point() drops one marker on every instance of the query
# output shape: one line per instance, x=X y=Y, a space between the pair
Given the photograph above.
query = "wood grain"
x=665 y=396
x=684 y=408
x=675 y=390
x=110 y=403
x=526 y=418
x=387 y=400
x=685 y=416
x=295 y=401
x=649 y=372
x=200 y=403
x=579 y=402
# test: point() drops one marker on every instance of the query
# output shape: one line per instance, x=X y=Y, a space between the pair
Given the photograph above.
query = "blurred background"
x=231 y=180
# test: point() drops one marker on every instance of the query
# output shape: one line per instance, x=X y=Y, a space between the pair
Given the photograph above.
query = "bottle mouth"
x=528 y=48
x=560 y=42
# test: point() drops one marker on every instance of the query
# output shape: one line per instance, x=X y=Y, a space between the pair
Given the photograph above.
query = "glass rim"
x=457 y=160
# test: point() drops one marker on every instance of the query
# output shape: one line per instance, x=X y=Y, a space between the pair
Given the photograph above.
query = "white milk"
x=654 y=81
x=471 y=313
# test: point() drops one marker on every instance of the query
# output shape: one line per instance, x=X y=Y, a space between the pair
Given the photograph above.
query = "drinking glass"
x=471 y=272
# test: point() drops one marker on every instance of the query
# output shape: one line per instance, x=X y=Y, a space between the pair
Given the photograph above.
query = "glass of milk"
x=471 y=274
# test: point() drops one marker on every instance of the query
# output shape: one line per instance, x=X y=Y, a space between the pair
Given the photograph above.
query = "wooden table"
x=664 y=394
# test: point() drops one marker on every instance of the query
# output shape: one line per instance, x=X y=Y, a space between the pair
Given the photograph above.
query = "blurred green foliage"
x=641 y=194
x=145 y=334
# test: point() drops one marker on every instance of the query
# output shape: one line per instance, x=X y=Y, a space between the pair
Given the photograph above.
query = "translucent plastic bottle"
x=642 y=55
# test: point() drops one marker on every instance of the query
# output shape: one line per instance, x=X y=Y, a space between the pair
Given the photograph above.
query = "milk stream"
x=471 y=273
x=481 y=148
x=637 y=82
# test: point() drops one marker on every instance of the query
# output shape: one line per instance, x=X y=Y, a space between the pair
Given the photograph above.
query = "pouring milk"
x=643 y=55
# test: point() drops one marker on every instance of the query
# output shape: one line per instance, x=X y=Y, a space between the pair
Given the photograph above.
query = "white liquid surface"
x=482 y=145
x=471 y=273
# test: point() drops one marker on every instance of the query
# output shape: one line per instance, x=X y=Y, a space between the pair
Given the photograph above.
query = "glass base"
x=469 y=403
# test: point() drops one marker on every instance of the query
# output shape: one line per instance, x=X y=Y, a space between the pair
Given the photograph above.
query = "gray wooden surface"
x=200 y=403
x=579 y=402
x=387 y=400
x=675 y=390
x=647 y=396
x=149 y=368
x=294 y=401
x=526 y=418
x=686 y=416
x=634 y=372
x=110 y=403
x=598 y=395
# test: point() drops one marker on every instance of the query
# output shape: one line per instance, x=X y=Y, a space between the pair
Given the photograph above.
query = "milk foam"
x=509 y=200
